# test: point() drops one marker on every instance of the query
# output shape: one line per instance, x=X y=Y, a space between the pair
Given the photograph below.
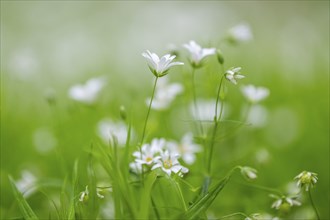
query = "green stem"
x=234 y=214
x=147 y=117
x=264 y=188
x=146 y=122
x=313 y=205
x=216 y=123
x=195 y=101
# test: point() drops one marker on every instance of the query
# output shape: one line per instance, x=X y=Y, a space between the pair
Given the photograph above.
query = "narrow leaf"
x=25 y=208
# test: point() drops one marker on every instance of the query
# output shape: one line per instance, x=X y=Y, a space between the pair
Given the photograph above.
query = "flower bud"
x=220 y=57
x=122 y=112
x=249 y=173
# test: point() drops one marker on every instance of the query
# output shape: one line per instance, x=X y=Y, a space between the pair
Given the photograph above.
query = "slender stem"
x=234 y=214
x=313 y=205
x=216 y=123
x=145 y=124
x=147 y=117
x=264 y=188
x=195 y=100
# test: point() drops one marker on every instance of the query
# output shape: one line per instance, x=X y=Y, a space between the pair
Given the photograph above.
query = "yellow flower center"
x=167 y=163
x=148 y=159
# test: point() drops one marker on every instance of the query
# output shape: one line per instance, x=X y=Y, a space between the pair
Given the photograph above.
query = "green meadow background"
x=48 y=46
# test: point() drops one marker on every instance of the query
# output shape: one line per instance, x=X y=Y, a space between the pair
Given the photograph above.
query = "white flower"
x=198 y=53
x=206 y=110
x=106 y=129
x=164 y=95
x=159 y=67
x=150 y=152
x=240 y=33
x=186 y=148
x=282 y=202
x=88 y=92
x=169 y=163
x=257 y=115
x=233 y=74
x=306 y=180
x=254 y=94
x=26 y=185
x=249 y=173
x=84 y=195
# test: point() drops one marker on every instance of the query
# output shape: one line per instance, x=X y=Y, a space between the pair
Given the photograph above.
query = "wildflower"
x=233 y=74
x=164 y=95
x=169 y=163
x=186 y=148
x=107 y=129
x=88 y=92
x=240 y=33
x=135 y=167
x=198 y=53
x=149 y=152
x=159 y=67
x=306 y=180
x=84 y=195
x=254 y=94
x=26 y=184
x=206 y=109
x=249 y=173
x=284 y=203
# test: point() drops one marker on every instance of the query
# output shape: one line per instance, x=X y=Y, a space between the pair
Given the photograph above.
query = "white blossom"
x=240 y=33
x=88 y=92
x=197 y=53
x=165 y=94
x=306 y=180
x=284 y=200
x=160 y=66
x=169 y=163
x=186 y=148
x=149 y=152
x=233 y=74
x=254 y=94
x=107 y=128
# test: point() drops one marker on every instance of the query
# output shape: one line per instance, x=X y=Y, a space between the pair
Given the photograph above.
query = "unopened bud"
x=220 y=57
x=122 y=112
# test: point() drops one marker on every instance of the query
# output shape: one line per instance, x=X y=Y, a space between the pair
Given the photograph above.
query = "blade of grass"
x=71 y=212
x=25 y=208
x=146 y=196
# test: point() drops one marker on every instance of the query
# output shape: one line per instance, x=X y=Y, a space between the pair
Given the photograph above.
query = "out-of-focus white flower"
x=262 y=156
x=197 y=53
x=257 y=116
x=186 y=148
x=26 y=185
x=135 y=167
x=206 y=110
x=284 y=202
x=249 y=173
x=254 y=94
x=169 y=163
x=106 y=129
x=165 y=94
x=306 y=180
x=88 y=92
x=149 y=152
x=233 y=75
x=240 y=33
x=160 y=66
x=44 y=140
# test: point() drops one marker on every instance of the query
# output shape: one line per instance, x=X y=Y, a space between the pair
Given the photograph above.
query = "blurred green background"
x=48 y=46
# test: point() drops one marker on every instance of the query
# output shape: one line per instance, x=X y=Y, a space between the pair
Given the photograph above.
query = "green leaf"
x=71 y=213
x=204 y=201
x=146 y=195
x=25 y=208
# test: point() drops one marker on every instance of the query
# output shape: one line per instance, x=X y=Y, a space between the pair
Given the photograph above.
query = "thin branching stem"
x=146 y=122
x=313 y=205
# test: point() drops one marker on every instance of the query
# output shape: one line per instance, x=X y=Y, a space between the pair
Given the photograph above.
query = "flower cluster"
x=165 y=155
